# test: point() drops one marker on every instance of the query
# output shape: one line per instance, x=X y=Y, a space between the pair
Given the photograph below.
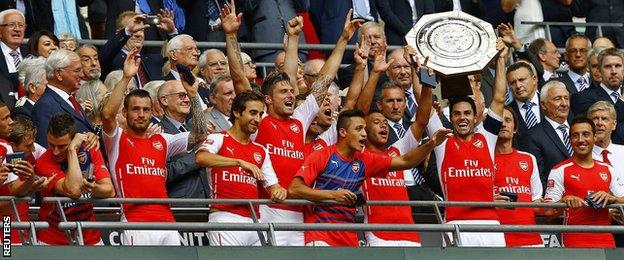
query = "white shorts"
x=231 y=238
x=373 y=240
x=317 y=243
x=479 y=239
x=283 y=238
x=41 y=243
x=150 y=238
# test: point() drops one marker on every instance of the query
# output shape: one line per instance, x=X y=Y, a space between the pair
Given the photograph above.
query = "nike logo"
x=230 y=149
x=577 y=177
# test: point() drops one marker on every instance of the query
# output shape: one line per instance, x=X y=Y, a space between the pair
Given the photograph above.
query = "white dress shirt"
x=534 y=108
x=616 y=153
x=6 y=50
x=62 y=94
x=555 y=125
x=609 y=91
x=574 y=77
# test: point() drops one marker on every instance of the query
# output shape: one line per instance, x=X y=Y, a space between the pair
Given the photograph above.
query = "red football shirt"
x=517 y=172
x=284 y=140
x=327 y=170
x=234 y=182
x=569 y=178
x=49 y=212
x=139 y=170
x=22 y=207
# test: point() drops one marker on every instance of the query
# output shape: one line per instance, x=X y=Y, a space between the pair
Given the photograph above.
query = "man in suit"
x=116 y=7
x=400 y=73
x=401 y=15
x=202 y=19
x=11 y=37
x=184 y=178
x=34 y=81
x=577 y=52
x=549 y=141
x=64 y=72
x=522 y=80
x=221 y=96
x=546 y=59
x=610 y=62
x=392 y=105
x=181 y=50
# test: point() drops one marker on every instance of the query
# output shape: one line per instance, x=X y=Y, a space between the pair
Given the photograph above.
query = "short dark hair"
x=344 y=118
x=389 y=85
x=513 y=115
x=33 y=42
x=238 y=105
x=583 y=120
x=609 y=52
x=519 y=65
x=62 y=124
x=456 y=100
x=21 y=128
x=269 y=83
x=140 y=93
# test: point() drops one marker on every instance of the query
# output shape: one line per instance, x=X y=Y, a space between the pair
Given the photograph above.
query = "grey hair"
x=59 y=59
x=10 y=11
x=202 y=58
x=32 y=70
x=90 y=46
x=368 y=25
x=66 y=37
x=153 y=88
x=549 y=85
x=176 y=42
x=605 y=106
x=595 y=51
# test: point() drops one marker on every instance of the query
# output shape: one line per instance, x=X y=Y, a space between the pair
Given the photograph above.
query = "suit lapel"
x=550 y=132
x=70 y=110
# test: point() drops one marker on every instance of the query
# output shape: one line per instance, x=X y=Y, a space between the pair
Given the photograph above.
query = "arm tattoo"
x=236 y=48
x=199 y=131
x=319 y=88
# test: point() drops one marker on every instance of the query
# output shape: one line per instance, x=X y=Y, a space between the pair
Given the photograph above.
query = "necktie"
x=418 y=178
x=142 y=76
x=582 y=84
x=182 y=128
x=399 y=130
x=566 y=138
x=411 y=105
x=144 y=6
x=16 y=58
x=75 y=104
x=615 y=95
x=605 y=156
x=213 y=9
x=529 y=117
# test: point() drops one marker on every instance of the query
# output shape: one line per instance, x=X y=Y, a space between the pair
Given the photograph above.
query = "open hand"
x=230 y=22
x=166 y=20
x=350 y=26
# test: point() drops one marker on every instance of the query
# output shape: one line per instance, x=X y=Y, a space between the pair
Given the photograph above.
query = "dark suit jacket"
x=521 y=123
x=397 y=14
x=472 y=7
x=392 y=136
x=581 y=101
x=543 y=142
x=555 y=11
x=197 y=19
x=4 y=70
x=328 y=17
x=24 y=111
x=570 y=86
x=112 y=57
x=185 y=179
x=115 y=7
x=6 y=87
x=487 y=86
x=602 y=11
x=51 y=104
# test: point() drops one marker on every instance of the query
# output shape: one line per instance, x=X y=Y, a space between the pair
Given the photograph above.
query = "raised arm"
x=109 y=112
x=330 y=68
x=424 y=94
x=414 y=157
x=500 y=83
x=199 y=121
x=366 y=96
x=291 y=61
x=230 y=22
x=361 y=57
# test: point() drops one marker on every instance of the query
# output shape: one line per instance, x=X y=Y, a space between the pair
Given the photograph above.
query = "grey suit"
x=216 y=118
x=184 y=178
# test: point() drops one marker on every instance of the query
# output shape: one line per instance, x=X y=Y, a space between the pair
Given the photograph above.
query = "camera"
x=152 y=20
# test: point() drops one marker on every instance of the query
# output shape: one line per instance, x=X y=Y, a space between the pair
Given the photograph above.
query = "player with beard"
x=517 y=173
x=337 y=172
x=466 y=161
x=236 y=165
x=578 y=178
x=143 y=174
x=284 y=128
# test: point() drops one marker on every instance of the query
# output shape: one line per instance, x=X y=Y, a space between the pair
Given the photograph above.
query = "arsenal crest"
x=355 y=166
x=157 y=145
x=478 y=144
x=317 y=147
x=82 y=156
x=294 y=128
x=524 y=165
x=392 y=153
x=604 y=176
x=257 y=157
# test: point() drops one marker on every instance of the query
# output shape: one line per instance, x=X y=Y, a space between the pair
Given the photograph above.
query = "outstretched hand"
x=503 y=49
x=350 y=26
x=360 y=54
x=136 y=23
x=166 y=21
x=506 y=32
x=441 y=135
x=380 y=64
x=230 y=21
x=131 y=63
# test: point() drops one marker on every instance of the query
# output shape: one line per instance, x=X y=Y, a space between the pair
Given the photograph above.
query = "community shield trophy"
x=457 y=45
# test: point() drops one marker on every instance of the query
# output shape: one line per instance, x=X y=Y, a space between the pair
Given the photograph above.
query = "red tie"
x=75 y=104
x=142 y=76
x=605 y=156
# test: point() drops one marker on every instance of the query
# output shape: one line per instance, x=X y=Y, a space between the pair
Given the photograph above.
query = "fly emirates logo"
x=470 y=169
x=391 y=181
x=513 y=186
x=287 y=149
x=147 y=167
x=238 y=177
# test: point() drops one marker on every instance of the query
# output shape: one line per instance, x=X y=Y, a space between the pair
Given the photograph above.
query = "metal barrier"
x=270 y=228
x=547 y=26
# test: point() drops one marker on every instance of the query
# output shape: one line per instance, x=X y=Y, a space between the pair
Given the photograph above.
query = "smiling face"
x=249 y=119
x=582 y=139
x=45 y=46
x=377 y=129
x=281 y=100
x=12 y=32
x=70 y=76
x=557 y=104
x=463 y=119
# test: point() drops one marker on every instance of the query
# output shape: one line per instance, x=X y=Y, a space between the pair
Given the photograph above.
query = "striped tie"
x=418 y=178
x=16 y=58
x=566 y=138
x=411 y=105
x=616 y=96
x=582 y=84
x=399 y=130
x=529 y=117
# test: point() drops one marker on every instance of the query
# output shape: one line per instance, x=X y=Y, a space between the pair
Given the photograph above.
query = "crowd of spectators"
x=127 y=120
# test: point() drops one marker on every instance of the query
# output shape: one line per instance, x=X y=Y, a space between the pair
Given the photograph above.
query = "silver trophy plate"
x=455 y=42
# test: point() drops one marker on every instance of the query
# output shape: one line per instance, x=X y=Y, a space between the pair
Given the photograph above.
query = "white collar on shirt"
x=6 y=50
x=555 y=124
x=175 y=122
x=574 y=77
x=391 y=123
x=547 y=75
x=175 y=74
x=608 y=90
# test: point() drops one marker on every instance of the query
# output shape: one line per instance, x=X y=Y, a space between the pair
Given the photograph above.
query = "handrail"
x=191 y=226
x=574 y=24
x=27 y=224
